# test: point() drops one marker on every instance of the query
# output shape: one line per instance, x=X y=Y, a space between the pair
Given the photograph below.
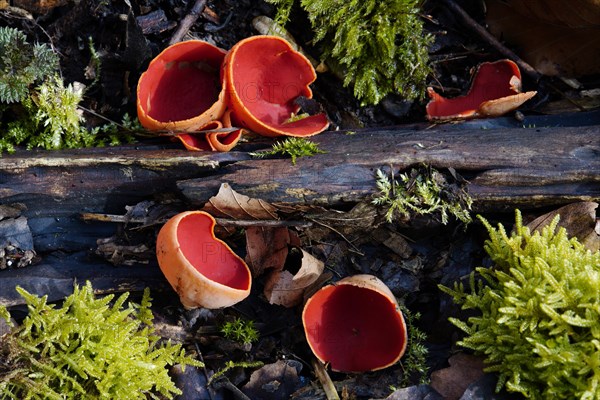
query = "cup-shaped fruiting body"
x=355 y=325
x=182 y=88
x=223 y=137
x=264 y=76
x=496 y=90
x=202 y=269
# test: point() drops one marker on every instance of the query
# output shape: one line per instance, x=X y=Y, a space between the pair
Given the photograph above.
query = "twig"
x=484 y=34
x=204 y=370
x=188 y=21
x=236 y=223
x=222 y=382
x=325 y=380
x=354 y=248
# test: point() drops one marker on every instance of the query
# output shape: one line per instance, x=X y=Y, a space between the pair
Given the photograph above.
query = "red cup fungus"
x=181 y=89
x=355 y=325
x=264 y=76
x=216 y=140
x=496 y=90
x=202 y=269
x=184 y=90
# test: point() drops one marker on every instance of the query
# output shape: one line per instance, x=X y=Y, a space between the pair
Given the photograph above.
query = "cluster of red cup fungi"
x=196 y=91
x=354 y=326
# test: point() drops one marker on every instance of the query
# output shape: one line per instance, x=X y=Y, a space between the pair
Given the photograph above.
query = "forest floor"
x=411 y=257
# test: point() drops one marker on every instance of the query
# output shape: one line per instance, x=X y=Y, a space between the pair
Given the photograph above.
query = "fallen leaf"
x=285 y=289
x=267 y=248
x=228 y=203
x=574 y=13
x=579 y=219
x=39 y=6
x=274 y=381
x=16 y=243
x=11 y=211
x=452 y=382
x=420 y=392
x=546 y=39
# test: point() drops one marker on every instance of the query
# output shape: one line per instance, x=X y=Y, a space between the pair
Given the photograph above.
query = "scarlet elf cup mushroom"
x=184 y=89
x=264 y=76
x=496 y=90
x=181 y=89
x=202 y=269
x=355 y=325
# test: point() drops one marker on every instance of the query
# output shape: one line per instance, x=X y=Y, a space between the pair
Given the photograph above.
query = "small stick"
x=188 y=21
x=223 y=382
x=484 y=34
x=237 y=223
x=325 y=380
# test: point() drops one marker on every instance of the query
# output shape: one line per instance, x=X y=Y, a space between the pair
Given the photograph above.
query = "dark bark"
x=505 y=168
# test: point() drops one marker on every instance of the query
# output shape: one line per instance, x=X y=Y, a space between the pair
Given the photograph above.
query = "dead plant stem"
x=187 y=22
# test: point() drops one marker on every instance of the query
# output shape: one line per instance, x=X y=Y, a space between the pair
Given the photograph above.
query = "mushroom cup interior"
x=182 y=82
x=492 y=81
x=267 y=77
x=354 y=329
x=210 y=256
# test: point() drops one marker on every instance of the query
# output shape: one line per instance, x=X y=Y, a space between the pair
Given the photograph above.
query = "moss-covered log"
x=505 y=168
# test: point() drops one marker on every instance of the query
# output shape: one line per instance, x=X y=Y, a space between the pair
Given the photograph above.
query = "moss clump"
x=539 y=322
x=414 y=362
x=22 y=65
x=379 y=44
x=37 y=109
x=294 y=147
x=240 y=331
x=87 y=349
x=422 y=191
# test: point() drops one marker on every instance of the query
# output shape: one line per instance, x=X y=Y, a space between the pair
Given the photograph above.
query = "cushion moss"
x=538 y=322
x=89 y=348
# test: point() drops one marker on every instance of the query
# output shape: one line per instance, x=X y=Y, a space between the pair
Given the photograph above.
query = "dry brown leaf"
x=550 y=48
x=579 y=219
x=275 y=381
x=284 y=289
x=39 y=6
x=572 y=13
x=267 y=248
x=230 y=204
x=452 y=382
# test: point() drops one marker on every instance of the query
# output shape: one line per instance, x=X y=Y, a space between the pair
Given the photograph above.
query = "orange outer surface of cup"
x=182 y=88
x=355 y=325
x=209 y=274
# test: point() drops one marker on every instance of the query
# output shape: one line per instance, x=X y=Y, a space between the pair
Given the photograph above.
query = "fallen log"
x=506 y=168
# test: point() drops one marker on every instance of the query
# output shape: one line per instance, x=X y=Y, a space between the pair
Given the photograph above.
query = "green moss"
x=414 y=362
x=87 y=349
x=37 y=109
x=539 y=313
x=379 y=45
x=240 y=331
x=421 y=191
x=294 y=147
x=22 y=64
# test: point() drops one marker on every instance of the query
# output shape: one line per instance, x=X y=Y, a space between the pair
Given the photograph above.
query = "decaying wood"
x=506 y=168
